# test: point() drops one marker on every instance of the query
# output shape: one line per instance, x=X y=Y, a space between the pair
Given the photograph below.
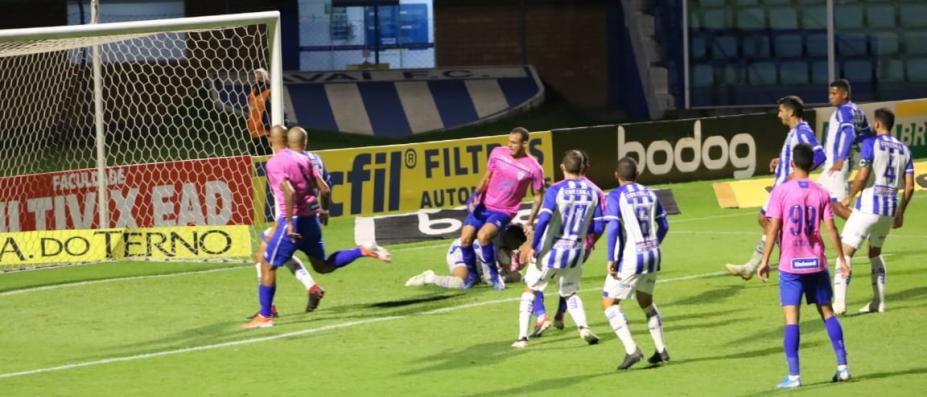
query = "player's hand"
x=291 y=233
x=323 y=217
x=773 y=164
x=845 y=202
x=612 y=269
x=763 y=271
x=842 y=267
x=899 y=220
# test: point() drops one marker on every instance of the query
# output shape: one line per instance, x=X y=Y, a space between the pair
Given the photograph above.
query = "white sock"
x=619 y=323
x=299 y=270
x=525 y=309
x=258 y=267
x=655 y=323
x=841 y=284
x=878 y=280
x=577 y=311
x=754 y=262
x=447 y=282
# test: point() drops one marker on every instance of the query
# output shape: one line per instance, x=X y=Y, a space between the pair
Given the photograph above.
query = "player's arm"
x=597 y=226
x=539 y=198
x=549 y=204
x=613 y=236
x=805 y=136
x=289 y=197
x=481 y=187
x=844 y=142
x=834 y=236
x=772 y=232
x=865 y=169
x=906 y=196
x=662 y=223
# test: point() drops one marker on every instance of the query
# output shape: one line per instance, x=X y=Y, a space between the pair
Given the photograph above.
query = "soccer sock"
x=524 y=313
x=878 y=280
x=655 y=323
x=790 y=343
x=619 y=323
x=258 y=267
x=344 y=257
x=835 y=331
x=575 y=307
x=266 y=297
x=539 y=309
x=840 y=285
x=488 y=256
x=757 y=255
x=469 y=258
x=448 y=282
x=562 y=306
x=299 y=271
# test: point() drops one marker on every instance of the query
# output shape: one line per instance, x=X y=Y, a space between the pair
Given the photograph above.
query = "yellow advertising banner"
x=405 y=178
x=92 y=245
x=755 y=192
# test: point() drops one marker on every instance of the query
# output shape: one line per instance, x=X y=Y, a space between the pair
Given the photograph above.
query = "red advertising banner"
x=211 y=192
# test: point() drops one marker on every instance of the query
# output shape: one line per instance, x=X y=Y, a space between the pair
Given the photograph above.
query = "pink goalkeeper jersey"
x=800 y=204
x=296 y=168
x=510 y=180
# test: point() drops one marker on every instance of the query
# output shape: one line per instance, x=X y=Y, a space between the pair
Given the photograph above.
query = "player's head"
x=572 y=163
x=791 y=110
x=883 y=120
x=296 y=138
x=513 y=237
x=277 y=136
x=838 y=92
x=627 y=170
x=260 y=74
x=518 y=141
x=586 y=162
x=802 y=157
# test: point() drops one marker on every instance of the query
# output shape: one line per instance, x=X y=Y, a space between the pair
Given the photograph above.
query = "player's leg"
x=314 y=292
x=819 y=292
x=473 y=223
x=790 y=292
x=535 y=280
x=561 y=309
x=613 y=293
x=645 y=289
x=542 y=322
x=454 y=281
x=877 y=236
x=855 y=232
x=568 y=280
x=495 y=221
x=747 y=270
x=280 y=249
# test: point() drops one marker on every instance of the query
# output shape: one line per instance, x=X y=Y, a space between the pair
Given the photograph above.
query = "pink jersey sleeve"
x=537 y=182
x=493 y=157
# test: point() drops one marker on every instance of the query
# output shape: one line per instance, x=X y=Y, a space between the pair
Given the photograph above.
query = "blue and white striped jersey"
x=802 y=133
x=319 y=170
x=571 y=210
x=846 y=123
x=636 y=226
x=890 y=160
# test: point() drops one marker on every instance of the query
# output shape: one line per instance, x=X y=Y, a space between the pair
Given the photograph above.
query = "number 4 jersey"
x=636 y=227
x=889 y=160
x=800 y=204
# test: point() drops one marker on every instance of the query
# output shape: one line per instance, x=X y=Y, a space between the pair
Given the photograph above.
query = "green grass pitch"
x=173 y=329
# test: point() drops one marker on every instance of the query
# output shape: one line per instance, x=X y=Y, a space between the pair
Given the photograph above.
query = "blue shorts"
x=481 y=216
x=280 y=248
x=815 y=286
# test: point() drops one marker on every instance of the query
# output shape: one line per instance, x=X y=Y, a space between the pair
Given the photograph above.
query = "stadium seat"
x=917 y=70
x=793 y=72
x=724 y=47
x=816 y=44
x=783 y=18
x=732 y=74
x=884 y=43
x=814 y=17
x=695 y=23
x=913 y=15
x=851 y=44
x=891 y=70
x=778 y=2
x=915 y=43
x=697 y=47
x=755 y=46
x=712 y=3
x=880 y=16
x=716 y=19
x=848 y=17
x=819 y=73
x=858 y=71
x=762 y=73
x=703 y=75
x=806 y=2
x=751 y=18
x=787 y=45
x=746 y=2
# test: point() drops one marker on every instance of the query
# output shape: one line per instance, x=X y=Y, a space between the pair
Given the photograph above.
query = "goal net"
x=132 y=140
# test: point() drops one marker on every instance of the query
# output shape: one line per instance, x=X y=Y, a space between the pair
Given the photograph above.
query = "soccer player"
x=796 y=209
x=637 y=225
x=846 y=124
x=791 y=110
x=290 y=175
x=507 y=244
x=509 y=173
x=885 y=167
x=570 y=211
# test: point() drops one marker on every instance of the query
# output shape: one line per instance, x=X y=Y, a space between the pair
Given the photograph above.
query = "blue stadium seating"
x=884 y=43
x=755 y=46
x=724 y=47
x=819 y=73
x=880 y=16
x=762 y=73
x=732 y=74
x=917 y=70
x=697 y=47
x=915 y=43
x=891 y=70
x=716 y=19
x=814 y=17
x=858 y=71
x=851 y=44
x=816 y=44
x=703 y=75
x=913 y=15
x=751 y=18
x=787 y=45
x=783 y=18
x=848 y=17
x=793 y=72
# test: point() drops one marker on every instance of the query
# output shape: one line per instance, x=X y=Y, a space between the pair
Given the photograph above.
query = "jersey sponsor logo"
x=807 y=263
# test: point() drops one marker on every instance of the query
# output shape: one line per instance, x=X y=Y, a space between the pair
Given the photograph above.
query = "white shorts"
x=567 y=278
x=861 y=226
x=835 y=183
x=455 y=260
x=625 y=287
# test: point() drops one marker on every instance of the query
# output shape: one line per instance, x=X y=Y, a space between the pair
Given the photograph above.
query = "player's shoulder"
x=844 y=113
x=499 y=151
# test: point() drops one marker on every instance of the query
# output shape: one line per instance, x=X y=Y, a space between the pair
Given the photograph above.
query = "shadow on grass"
x=543 y=384
x=821 y=385
x=712 y=295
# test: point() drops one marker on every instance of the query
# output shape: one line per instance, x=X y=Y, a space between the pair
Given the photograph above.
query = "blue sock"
x=562 y=308
x=344 y=257
x=835 y=331
x=469 y=258
x=266 y=297
x=488 y=255
x=539 y=309
x=790 y=343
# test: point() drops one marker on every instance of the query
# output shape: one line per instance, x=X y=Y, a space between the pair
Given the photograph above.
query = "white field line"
x=303 y=332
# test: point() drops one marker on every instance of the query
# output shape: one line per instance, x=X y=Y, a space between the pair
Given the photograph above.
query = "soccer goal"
x=132 y=139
